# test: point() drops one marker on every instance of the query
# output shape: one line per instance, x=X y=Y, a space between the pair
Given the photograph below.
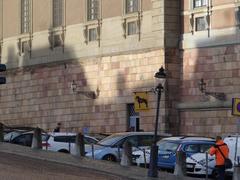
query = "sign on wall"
x=236 y=106
x=141 y=101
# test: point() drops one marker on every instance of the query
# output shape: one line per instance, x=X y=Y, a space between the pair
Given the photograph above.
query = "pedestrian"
x=57 y=129
x=221 y=152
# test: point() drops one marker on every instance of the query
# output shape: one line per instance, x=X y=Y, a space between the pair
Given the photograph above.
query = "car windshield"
x=110 y=140
x=168 y=146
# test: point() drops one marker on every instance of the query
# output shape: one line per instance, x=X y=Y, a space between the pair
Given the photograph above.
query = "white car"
x=65 y=142
x=197 y=163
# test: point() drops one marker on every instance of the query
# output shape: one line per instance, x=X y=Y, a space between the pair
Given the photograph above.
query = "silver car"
x=110 y=148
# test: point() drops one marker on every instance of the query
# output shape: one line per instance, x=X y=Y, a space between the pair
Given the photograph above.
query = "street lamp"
x=153 y=170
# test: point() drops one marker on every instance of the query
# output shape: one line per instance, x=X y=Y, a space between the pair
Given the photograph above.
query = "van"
x=234 y=151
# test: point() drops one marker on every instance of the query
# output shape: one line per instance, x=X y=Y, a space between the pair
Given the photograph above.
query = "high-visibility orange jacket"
x=214 y=150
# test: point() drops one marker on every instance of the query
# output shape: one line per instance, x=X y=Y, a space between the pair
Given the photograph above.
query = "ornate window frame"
x=24 y=42
x=132 y=17
x=237 y=10
x=58 y=30
x=197 y=12
x=93 y=25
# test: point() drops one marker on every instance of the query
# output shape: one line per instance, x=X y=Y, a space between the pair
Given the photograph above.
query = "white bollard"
x=180 y=166
x=126 y=159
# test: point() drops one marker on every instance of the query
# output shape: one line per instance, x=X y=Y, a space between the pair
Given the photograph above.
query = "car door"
x=167 y=154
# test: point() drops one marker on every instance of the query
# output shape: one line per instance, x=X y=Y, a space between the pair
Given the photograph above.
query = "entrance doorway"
x=133 y=122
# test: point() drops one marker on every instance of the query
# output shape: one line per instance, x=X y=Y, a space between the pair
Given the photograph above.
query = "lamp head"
x=160 y=74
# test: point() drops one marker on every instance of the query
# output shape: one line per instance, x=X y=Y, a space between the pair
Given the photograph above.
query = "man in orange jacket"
x=220 y=160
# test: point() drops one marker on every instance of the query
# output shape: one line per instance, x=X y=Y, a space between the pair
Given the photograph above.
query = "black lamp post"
x=153 y=170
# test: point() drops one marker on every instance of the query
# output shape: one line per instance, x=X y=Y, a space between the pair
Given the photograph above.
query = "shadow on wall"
x=40 y=94
x=218 y=65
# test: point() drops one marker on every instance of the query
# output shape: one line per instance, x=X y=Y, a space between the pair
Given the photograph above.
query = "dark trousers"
x=220 y=172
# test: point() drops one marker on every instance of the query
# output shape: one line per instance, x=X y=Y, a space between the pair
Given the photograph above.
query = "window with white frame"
x=131 y=6
x=25 y=16
x=132 y=28
x=199 y=3
x=200 y=23
x=92 y=10
x=92 y=34
x=57 y=13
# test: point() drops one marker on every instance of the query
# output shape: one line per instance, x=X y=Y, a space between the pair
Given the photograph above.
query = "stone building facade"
x=114 y=48
x=210 y=50
x=110 y=47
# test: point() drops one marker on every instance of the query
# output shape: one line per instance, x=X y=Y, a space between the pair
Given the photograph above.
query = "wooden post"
x=37 y=139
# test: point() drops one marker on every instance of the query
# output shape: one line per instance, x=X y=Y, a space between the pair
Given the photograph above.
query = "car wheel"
x=63 y=151
x=109 y=157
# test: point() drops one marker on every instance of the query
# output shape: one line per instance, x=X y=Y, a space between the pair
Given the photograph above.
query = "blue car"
x=190 y=145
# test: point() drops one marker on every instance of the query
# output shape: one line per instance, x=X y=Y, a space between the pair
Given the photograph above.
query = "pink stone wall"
x=220 y=69
x=41 y=95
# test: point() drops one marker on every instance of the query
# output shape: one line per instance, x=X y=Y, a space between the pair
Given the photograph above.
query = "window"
x=132 y=6
x=24 y=140
x=133 y=140
x=168 y=146
x=25 y=16
x=24 y=46
x=57 y=40
x=199 y=3
x=92 y=34
x=192 y=148
x=92 y=9
x=201 y=24
x=205 y=147
x=88 y=140
x=57 y=13
x=146 y=140
x=65 y=139
x=132 y=28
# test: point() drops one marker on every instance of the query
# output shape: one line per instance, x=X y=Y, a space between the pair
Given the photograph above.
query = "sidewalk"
x=133 y=173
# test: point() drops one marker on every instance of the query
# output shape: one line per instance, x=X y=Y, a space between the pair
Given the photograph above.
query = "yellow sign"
x=236 y=106
x=141 y=101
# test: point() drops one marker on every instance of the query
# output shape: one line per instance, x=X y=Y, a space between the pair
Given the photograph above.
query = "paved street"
x=22 y=168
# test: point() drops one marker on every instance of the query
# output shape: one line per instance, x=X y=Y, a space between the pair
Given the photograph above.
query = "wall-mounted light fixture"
x=218 y=95
x=89 y=94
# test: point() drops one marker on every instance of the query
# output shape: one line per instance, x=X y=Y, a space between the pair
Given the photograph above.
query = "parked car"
x=8 y=137
x=168 y=147
x=196 y=164
x=25 y=139
x=65 y=142
x=110 y=148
